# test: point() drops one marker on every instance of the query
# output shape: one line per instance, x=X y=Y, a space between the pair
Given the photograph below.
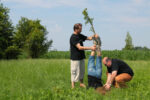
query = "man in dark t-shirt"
x=118 y=72
x=78 y=55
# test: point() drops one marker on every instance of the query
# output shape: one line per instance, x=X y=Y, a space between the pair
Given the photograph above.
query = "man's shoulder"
x=116 y=60
x=73 y=36
x=82 y=35
x=73 y=39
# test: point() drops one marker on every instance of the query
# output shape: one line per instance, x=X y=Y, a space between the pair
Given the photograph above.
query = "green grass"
x=43 y=79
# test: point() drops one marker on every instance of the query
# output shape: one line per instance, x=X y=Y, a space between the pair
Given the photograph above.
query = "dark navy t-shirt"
x=120 y=66
x=75 y=53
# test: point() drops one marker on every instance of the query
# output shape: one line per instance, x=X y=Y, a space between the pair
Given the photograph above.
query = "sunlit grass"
x=40 y=79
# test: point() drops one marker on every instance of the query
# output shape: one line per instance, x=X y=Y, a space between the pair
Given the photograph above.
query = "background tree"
x=141 y=48
x=30 y=36
x=128 y=40
x=6 y=32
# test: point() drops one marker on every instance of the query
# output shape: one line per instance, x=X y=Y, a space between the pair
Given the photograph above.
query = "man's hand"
x=107 y=86
x=91 y=37
x=96 y=36
x=93 y=48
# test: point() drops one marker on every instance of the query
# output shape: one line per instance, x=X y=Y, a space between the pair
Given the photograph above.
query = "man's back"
x=121 y=67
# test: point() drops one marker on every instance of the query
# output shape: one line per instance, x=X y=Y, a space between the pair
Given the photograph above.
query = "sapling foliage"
x=88 y=20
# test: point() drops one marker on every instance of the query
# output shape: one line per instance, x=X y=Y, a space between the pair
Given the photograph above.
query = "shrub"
x=12 y=52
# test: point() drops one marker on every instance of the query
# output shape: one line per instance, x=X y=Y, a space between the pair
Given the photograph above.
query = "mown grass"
x=44 y=79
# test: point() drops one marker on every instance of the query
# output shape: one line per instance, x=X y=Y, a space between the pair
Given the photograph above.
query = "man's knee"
x=123 y=78
x=118 y=79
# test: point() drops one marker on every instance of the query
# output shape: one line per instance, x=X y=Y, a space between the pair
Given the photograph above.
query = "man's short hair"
x=76 y=26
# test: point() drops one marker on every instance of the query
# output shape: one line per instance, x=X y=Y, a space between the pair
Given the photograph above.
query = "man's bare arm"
x=108 y=78
x=113 y=75
x=90 y=38
x=85 y=48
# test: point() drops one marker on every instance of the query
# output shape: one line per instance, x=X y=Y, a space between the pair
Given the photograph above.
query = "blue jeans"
x=93 y=70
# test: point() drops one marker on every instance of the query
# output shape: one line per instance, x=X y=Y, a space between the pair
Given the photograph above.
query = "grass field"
x=43 y=79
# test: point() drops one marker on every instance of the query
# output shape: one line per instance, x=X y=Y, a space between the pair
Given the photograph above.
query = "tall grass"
x=125 y=55
x=44 y=79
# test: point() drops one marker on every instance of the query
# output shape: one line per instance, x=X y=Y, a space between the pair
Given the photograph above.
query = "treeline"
x=119 y=54
x=27 y=39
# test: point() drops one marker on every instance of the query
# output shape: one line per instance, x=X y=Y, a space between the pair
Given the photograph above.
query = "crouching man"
x=118 y=73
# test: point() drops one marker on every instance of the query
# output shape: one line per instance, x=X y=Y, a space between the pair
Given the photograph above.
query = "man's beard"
x=79 y=32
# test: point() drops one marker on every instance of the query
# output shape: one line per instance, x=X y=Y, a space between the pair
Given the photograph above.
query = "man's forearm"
x=108 y=78
x=84 y=48
x=90 y=38
x=112 y=78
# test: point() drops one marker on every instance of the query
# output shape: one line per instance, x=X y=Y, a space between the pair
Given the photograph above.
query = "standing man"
x=78 y=55
x=118 y=73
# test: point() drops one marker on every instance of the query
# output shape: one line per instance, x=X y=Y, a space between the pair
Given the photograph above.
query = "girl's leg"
x=91 y=64
x=92 y=53
x=99 y=65
x=91 y=70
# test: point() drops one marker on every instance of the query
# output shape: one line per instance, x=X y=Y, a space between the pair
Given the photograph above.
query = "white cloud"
x=135 y=20
x=35 y=3
x=141 y=3
x=50 y=3
x=130 y=12
x=138 y=1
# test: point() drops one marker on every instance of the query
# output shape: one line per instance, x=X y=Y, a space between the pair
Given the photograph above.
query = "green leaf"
x=88 y=20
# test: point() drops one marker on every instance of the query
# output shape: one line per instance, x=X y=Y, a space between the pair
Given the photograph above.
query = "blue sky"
x=112 y=19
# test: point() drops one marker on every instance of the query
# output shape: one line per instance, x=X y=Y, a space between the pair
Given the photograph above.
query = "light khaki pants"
x=77 y=70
